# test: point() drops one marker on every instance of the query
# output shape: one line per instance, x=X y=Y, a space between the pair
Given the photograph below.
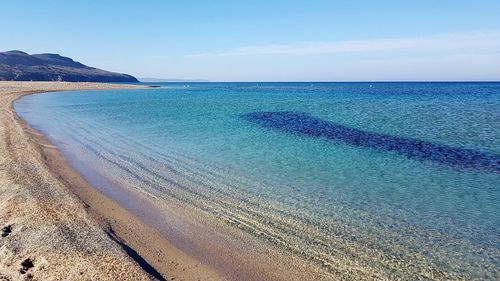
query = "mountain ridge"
x=17 y=65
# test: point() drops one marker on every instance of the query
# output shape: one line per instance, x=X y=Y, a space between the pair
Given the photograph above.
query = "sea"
x=401 y=179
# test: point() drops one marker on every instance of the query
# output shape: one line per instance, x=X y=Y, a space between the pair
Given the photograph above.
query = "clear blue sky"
x=265 y=40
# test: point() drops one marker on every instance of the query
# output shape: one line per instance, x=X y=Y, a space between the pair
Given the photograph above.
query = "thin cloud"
x=455 y=41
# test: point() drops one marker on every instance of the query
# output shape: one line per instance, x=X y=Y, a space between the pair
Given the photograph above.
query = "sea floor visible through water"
x=382 y=180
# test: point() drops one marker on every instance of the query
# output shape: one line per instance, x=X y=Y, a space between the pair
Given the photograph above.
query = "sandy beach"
x=58 y=223
x=54 y=226
x=249 y=141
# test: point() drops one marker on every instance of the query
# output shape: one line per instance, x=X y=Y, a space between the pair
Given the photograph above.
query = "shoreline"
x=193 y=247
x=63 y=217
x=138 y=251
x=143 y=243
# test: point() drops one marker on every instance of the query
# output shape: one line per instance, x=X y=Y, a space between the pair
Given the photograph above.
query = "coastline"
x=154 y=240
x=150 y=235
x=60 y=227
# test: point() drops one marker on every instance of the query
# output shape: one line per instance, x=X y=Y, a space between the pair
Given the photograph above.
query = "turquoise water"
x=400 y=179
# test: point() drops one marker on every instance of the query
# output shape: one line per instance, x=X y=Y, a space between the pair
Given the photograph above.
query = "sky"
x=265 y=40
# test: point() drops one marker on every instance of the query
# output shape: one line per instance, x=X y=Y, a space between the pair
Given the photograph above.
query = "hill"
x=20 y=66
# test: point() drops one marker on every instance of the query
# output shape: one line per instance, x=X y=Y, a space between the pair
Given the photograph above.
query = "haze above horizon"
x=266 y=40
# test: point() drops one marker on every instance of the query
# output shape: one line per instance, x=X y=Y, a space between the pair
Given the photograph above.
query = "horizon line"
x=347 y=81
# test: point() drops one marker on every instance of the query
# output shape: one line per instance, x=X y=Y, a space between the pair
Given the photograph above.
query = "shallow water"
x=390 y=179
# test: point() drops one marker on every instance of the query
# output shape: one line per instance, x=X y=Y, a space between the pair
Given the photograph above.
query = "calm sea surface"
x=402 y=179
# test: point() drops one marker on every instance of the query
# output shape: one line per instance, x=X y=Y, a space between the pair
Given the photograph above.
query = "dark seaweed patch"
x=304 y=124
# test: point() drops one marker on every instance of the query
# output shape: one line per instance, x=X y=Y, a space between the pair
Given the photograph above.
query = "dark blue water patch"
x=301 y=123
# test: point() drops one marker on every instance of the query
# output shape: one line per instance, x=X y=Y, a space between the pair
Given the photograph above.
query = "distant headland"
x=171 y=80
x=20 y=66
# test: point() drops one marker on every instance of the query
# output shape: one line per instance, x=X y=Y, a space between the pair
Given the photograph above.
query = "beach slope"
x=45 y=231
